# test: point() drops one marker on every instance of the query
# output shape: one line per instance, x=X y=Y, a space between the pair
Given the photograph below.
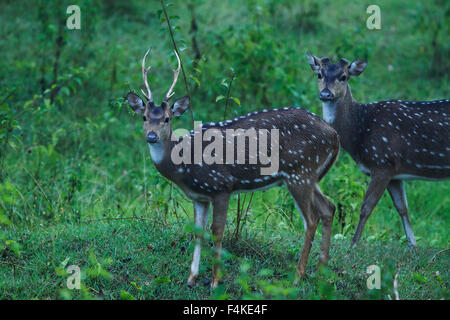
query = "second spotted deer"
x=303 y=148
x=391 y=141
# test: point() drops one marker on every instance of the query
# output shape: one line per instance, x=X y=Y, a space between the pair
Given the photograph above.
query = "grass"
x=150 y=261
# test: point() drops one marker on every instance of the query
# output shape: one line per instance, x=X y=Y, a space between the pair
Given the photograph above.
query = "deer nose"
x=152 y=137
x=326 y=95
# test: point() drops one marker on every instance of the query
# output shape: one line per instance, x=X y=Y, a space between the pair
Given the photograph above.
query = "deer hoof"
x=299 y=276
x=191 y=280
x=214 y=283
x=412 y=245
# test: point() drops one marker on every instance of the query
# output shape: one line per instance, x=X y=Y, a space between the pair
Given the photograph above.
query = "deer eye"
x=166 y=120
x=319 y=76
x=144 y=118
x=343 y=78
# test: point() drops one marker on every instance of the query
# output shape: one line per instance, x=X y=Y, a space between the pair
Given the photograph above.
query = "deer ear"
x=344 y=62
x=357 y=67
x=180 y=106
x=135 y=102
x=314 y=62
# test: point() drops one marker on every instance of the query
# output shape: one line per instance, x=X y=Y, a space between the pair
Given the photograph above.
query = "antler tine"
x=176 y=72
x=144 y=75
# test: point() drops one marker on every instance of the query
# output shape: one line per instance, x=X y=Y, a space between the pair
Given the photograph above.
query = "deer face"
x=157 y=118
x=333 y=77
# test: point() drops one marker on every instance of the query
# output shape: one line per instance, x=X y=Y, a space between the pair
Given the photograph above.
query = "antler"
x=176 y=72
x=144 y=75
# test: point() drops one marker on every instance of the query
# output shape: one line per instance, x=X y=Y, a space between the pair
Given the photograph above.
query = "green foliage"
x=94 y=274
x=126 y=296
x=7 y=245
x=150 y=261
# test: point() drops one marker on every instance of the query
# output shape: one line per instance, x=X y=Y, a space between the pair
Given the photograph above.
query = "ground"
x=145 y=260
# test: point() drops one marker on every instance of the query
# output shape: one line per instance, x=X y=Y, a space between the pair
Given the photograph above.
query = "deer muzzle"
x=152 y=137
x=326 y=95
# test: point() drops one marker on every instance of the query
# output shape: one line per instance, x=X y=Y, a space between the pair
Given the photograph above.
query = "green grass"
x=156 y=259
x=81 y=155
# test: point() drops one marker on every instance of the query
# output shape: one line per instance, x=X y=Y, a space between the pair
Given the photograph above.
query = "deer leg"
x=378 y=183
x=303 y=201
x=201 y=211
x=326 y=211
x=220 y=209
x=396 y=189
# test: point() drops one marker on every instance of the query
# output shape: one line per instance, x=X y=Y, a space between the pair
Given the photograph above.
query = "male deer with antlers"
x=391 y=140
x=307 y=150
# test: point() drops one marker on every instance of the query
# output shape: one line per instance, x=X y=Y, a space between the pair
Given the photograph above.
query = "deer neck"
x=344 y=115
x=160 y=154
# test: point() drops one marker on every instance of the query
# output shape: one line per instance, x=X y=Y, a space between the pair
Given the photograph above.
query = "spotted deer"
x=305 y=145
x=391 y=141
